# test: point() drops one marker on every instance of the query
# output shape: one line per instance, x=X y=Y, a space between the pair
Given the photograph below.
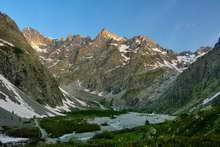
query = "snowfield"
x=130 y=120
x=6 y=139
x=12 y=100
x=20 y=108
x=68 y=104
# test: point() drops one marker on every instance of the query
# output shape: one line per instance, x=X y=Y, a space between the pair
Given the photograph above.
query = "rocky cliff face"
x=27 y=88
x=133 y=72
x=36 y=40
x=122 y=70
x=196 y=87
x=20 y=65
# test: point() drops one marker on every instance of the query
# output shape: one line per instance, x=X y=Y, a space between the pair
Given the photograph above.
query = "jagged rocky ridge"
x=128 y=72
x=25 y=82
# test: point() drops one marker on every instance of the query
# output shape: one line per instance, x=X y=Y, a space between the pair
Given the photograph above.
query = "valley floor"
x=196 y=130
x=94 y=128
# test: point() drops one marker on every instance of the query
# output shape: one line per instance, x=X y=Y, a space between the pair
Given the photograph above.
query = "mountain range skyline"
x=182 y=30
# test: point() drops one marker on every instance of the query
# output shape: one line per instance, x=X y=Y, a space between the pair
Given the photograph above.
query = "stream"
x=123 y=121
x=42 y=131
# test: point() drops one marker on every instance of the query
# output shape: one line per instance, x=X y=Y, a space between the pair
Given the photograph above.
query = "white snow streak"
x=67 y=104
x=6 y=42
x=6 y=139
x=159 y=50
x=123 y=49
x=206 y=101
x=22 y=109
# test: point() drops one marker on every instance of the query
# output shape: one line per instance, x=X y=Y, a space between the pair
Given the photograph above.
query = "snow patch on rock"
x=123 y=48
x=208 y=100
x=6 y=139
x=38 y=49
x=7 y=43
x=21 y=108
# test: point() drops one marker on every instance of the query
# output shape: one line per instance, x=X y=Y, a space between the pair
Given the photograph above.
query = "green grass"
x=60 y=126
x=18 y=51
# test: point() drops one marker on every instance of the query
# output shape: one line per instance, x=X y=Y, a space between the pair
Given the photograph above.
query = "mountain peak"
x=104 y=30
x=143 y=38
x=35 y=38
x=6 y=21
x=31 y=31
x=14 y=36
x=5 y=18
x=3 y=15
x=105 y=34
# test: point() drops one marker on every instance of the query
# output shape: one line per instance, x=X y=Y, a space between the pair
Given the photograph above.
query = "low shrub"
x=24 y=132
x=62 y=126
x=105 y=135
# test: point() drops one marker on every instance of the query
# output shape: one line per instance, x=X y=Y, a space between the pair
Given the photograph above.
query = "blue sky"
x=175 y=24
